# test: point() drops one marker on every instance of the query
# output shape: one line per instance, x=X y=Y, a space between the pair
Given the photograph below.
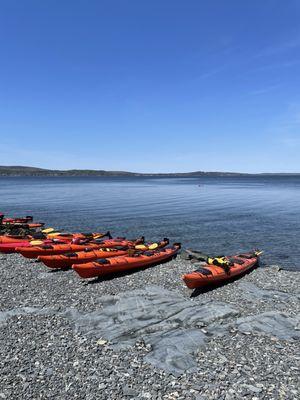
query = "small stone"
x=101 y=342
x=252 y=388
x=146 y=395
x=127 y=391
x=49 y=371
x=102 y=386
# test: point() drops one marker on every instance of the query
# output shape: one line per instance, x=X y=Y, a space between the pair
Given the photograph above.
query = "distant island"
x=33 y=171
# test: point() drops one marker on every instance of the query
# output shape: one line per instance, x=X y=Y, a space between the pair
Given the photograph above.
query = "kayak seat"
x=203 y=271
x=246 y=255
x=236 y=261
x=148 y=253
x=118 y=248
x=38 y=235
x=71 y=255
x=47 y=246
x=102 y=261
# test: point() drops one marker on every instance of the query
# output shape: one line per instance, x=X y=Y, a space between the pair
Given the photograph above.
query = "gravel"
x=44 y=354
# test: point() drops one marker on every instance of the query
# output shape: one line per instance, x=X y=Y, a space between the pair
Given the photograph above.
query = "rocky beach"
x=143 y=336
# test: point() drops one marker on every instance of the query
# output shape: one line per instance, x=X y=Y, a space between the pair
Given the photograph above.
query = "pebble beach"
x=55 y=342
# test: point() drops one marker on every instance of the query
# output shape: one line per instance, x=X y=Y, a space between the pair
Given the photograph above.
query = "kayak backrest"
x=236 y=260
x=203 y=271
x=102 y=261
x=47 y=246
x=71 y=255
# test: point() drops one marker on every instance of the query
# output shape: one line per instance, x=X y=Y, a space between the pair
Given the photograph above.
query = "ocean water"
x=218 y=215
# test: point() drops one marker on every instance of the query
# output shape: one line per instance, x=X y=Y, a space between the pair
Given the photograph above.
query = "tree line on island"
x=33 y=171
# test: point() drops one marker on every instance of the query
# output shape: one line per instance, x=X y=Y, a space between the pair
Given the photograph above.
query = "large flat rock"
x=163 y=319
x=276 y=324
x=170 y=325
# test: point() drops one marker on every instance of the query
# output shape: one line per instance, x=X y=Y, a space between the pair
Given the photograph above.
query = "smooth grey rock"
x=271 y=323
x=252 y=388
x=166 y=323
x=173 y=351
x=163 y=319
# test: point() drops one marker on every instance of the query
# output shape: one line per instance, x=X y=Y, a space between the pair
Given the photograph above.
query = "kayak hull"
x=8 y=248
x=13 y=239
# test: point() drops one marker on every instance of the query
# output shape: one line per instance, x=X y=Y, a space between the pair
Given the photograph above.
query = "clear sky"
x=151 y=86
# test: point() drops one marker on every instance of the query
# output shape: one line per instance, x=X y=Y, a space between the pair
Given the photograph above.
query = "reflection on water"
x=223 y=215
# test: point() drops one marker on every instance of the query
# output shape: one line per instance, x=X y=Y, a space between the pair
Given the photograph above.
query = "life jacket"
x=222 y=262
x=219 y=261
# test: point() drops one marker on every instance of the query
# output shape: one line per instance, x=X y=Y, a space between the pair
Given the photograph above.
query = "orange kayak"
x=35 y=251
x=11 y=247
x=13 y=239
x=82 y=257
x=104 y=266
x=65 y=237
x=214 y=274
x=20 y=220
x=25 y=221
x=55 y=249
x=29 y=225
x=77 y=235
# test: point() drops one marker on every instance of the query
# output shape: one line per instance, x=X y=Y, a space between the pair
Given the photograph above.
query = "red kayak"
x=22 y=220
x=13 y=239
x=104 y=266
x=9 y=244
x=67 y=260
x=65 y=237
x=28 y=221
x=9 y=248
x=29 y=225
x=54 y=249
x=228 y=268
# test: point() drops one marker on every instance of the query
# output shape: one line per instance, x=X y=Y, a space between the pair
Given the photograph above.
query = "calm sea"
x=217 y=215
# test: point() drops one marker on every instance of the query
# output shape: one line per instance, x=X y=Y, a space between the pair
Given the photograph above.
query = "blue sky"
x=160 y=85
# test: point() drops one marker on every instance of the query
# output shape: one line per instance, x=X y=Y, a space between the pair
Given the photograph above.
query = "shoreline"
x=52 y=346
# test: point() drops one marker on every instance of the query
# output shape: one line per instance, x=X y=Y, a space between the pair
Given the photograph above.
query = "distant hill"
x=32 y=171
